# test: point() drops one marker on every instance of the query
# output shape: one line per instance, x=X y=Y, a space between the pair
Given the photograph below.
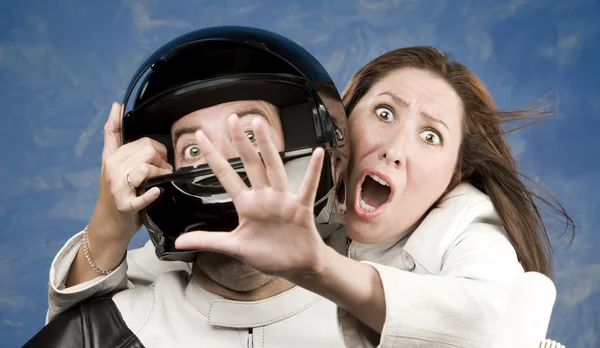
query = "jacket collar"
x=220 y=311
x=384 y=252
x=427 y=243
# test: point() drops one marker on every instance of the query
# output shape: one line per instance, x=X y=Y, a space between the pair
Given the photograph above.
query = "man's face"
x=224 y=270
x=213 y=122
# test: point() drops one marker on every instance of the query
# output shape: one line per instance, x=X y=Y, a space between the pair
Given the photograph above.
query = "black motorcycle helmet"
x=223 y=64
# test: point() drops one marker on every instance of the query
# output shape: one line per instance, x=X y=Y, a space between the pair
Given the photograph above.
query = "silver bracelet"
x=88 y=257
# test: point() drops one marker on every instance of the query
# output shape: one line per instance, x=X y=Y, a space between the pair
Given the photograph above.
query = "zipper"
x=250 y=339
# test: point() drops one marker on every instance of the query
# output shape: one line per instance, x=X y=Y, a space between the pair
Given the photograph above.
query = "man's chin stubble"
x=229 y=272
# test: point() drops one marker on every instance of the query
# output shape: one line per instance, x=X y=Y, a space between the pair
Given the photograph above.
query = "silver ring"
x=131 y=187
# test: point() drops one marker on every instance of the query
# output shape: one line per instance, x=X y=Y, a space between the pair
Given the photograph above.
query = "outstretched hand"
x=277 y=234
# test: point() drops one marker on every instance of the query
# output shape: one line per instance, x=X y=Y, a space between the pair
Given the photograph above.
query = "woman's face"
x=405 y=136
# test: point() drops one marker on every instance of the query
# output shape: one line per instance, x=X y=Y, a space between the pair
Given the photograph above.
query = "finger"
x=144 y=154
x=274 y=165
x=144 y=145
x=228 y=177
x=150 y=154
x=161 y=163
x=112 y=131
x=247 y=152
x=310 y=183
x=220 y=242
x=165 y=165
x=144 y=171
x=141 y=202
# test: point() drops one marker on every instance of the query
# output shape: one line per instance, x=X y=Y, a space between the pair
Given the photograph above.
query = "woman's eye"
x=431 y=137
x=191 y=152
x=384 y=114
x=251 y=136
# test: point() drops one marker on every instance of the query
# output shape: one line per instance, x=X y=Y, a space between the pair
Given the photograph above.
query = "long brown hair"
x=485 y=159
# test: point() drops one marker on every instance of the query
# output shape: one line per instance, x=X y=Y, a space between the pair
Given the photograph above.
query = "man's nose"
x=224 y=145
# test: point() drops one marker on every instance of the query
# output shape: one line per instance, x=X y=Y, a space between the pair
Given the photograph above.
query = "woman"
x=436 y=206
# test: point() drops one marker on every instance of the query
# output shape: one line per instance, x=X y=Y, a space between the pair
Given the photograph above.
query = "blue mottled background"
x=62 y=63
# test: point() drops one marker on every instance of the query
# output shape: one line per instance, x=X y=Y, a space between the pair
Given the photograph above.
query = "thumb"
x=219 y=242
x=112 y=130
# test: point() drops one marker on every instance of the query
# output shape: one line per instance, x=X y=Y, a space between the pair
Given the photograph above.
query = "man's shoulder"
x=137 y=304
x=172 y=280
x=144 y=264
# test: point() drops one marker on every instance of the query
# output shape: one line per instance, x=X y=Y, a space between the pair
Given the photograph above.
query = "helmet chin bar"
x=192 y=199
x=205 y=184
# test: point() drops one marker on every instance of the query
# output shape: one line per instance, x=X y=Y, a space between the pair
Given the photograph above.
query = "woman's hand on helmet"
x=124 y=168
x=277 y=233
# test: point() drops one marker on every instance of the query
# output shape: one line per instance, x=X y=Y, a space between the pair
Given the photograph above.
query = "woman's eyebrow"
x=404 y=103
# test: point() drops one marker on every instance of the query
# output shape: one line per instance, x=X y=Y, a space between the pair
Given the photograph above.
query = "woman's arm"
x=140 y=267
x=461 y=306
x=115 y=219
x=62 y=295
x=354 y=286
x=106 y=253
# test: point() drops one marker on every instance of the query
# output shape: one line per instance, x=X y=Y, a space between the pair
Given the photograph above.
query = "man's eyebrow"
x=402 y=102
x=241 y=113
x=183 y=131
x=253 y=111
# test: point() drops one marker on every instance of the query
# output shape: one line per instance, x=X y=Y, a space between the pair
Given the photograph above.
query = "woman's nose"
x=393 y=152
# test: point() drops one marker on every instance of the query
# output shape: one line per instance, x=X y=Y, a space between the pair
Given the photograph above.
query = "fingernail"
x=178 y=242
x=231 y=119
x=257 y=121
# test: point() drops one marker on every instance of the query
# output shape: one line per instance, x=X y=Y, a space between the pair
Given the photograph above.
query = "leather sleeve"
x=94 y=323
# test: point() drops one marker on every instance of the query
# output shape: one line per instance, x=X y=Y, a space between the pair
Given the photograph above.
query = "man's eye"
x=251 y=136
x=191 y=152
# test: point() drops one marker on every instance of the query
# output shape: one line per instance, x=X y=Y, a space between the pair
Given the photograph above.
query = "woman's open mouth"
x=373 y=194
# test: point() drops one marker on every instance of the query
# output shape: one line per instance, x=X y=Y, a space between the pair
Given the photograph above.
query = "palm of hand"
x=276 y=234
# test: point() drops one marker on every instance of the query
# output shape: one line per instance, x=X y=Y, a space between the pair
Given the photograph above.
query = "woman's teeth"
x=365 y=206
x=376 y=188
x=379 y=180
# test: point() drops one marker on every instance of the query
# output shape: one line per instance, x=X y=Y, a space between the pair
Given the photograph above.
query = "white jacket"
x=446 y=285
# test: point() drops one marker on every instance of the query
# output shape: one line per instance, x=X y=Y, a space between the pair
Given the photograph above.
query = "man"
x=195 y=83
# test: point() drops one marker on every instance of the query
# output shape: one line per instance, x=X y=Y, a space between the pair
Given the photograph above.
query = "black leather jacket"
x=94 y=323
